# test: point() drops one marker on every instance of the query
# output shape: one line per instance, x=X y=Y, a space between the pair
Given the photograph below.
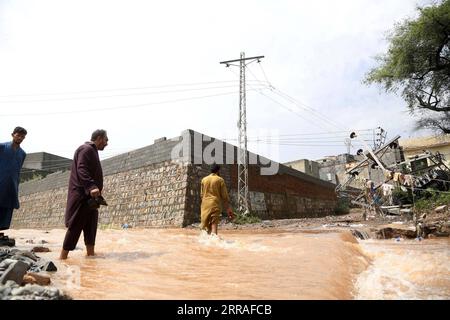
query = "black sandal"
x=7 y=242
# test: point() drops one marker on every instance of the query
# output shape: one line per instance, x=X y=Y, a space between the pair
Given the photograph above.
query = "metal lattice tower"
x=243 y=195
x=242 y=150
x=379 y=137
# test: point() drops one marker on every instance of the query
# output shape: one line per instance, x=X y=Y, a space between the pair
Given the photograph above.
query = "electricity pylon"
x=243 y=195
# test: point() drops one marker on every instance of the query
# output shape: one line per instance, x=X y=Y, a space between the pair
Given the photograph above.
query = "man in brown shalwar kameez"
x=86 y=182
x=214 y=193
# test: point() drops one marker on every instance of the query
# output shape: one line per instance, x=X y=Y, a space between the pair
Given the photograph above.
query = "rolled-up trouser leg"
x=90 y=228
x=71 y=238
x=5 y=217
x=74 y=231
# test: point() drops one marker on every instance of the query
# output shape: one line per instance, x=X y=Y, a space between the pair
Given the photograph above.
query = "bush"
x=343 y=206
x=244 y=219
x=400 y=197
x=431 y=199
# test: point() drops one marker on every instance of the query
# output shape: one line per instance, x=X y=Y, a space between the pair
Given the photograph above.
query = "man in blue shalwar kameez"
x=12 y=157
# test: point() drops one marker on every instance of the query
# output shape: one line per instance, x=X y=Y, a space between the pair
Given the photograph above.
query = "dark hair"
x=19 y=130
x=215 y=168
x=98 y=133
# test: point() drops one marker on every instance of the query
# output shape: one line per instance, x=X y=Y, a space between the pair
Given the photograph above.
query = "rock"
x=441 y=208
x=395 y=232
x=360 y=234
x=442 y=234
x=27 y=254
x=15 y=272
x=430 y=229
x=27 y=260
x=5 y=291
x=53 y=292
x=35 y=278
x=29 y=289
x=30 y=241
x=49 y=266
x=3 y=255
x=7 y=242
x=445 y=227
x=40 y=249
x=12 y=291
x=5 y=263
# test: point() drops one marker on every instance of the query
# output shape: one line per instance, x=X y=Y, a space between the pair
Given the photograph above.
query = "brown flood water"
x=246 y=264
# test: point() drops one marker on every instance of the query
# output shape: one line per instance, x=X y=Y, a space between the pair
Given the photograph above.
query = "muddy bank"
x=433 y=224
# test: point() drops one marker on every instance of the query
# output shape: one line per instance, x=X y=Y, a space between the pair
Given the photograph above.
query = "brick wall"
x=288 y=194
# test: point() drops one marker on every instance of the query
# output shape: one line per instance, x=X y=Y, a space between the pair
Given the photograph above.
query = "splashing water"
x=407 y=269
x=213 y=240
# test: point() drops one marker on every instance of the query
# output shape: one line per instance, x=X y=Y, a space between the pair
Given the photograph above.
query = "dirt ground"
x=353 y=220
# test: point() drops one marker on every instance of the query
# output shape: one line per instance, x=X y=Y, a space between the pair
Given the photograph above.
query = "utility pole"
x=379 y=137
x=243 y=198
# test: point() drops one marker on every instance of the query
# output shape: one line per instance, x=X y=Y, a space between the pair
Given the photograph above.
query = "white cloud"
x=317 y=52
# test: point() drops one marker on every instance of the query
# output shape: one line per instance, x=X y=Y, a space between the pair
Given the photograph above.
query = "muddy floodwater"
x=246 y=264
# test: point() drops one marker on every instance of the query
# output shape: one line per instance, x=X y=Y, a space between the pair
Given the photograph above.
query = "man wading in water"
x=213 y=193
x=84 y=196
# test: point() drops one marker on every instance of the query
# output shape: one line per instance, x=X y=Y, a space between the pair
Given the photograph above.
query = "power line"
x=117 y=89
x=327 y=133
x=305 y=107
x=296 y=140
x=298 y=103
x=264 y=73
x=118 y=107
x=290 y=109
x=118 y=95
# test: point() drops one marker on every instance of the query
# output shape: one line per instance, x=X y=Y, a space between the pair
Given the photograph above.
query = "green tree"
x=418 y=63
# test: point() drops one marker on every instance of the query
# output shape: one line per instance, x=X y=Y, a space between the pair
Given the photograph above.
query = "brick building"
x=40 y=164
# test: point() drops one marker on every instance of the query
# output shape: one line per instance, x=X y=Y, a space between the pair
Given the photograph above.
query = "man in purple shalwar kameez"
x=12 y=157
x=86 y=182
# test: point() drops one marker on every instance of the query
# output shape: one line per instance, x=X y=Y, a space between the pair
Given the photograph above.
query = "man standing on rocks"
x=12 y=157
x=84 y=195
x=214 y=193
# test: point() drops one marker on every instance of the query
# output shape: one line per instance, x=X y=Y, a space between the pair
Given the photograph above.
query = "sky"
x=149 y=69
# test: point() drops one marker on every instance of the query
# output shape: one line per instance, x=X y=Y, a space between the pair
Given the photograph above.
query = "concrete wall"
x=40 y=164
x=440 y=143
x=309 y=167
x=46 y=161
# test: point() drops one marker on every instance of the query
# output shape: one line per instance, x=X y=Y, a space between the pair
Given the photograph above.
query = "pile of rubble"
x=434 y=223
x=21 y=276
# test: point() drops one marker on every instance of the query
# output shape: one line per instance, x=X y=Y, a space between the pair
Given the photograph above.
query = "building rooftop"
x=425 y=142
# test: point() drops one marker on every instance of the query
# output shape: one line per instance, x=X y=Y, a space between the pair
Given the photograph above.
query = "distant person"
x=12 y=157
x=214 y=194
x=84 y=194
x=370 y=191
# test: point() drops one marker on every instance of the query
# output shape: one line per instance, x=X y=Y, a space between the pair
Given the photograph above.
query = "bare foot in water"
x=64 y=254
